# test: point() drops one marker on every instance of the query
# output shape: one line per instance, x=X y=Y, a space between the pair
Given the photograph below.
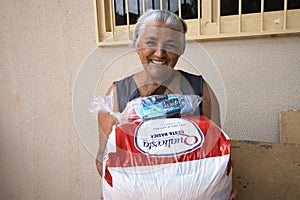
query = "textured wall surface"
x=42 y=46
x=261 y=78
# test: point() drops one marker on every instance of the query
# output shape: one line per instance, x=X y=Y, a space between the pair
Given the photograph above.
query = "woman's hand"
x=105 y=123
x=233 y=194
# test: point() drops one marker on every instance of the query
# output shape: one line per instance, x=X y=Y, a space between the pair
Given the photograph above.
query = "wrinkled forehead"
x=161 y=33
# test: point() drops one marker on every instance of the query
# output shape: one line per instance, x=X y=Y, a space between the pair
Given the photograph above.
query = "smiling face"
x=159 y=48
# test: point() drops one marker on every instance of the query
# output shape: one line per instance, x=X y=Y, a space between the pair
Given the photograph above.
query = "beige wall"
x=44 y=43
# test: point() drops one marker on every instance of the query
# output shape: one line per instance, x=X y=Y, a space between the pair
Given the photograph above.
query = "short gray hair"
x=165 y=16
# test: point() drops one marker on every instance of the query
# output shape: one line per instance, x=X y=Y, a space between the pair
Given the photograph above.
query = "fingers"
x=233 y=194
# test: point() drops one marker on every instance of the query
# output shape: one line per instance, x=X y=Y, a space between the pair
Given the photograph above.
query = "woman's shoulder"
x=191 y=78
x=126 y=90
x=125 y=85
x=194 y=81
x=189 y=75
x=126 y=80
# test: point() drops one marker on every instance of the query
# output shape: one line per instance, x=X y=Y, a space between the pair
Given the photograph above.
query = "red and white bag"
x=172 y=158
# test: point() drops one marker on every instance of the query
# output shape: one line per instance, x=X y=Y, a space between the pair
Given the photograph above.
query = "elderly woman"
x=159 y=39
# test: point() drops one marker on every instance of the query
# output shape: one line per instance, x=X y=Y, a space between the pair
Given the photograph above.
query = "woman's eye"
x=171 y=47
x=150 y=43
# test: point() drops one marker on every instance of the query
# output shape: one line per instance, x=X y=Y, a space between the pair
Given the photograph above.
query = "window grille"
x=206 y=19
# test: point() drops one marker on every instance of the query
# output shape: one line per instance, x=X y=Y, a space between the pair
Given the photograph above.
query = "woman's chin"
x=160 y=73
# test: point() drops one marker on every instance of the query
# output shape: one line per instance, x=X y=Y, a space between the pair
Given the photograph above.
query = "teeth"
x=159 y=62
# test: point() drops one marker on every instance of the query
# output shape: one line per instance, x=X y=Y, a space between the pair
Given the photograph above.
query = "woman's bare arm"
x=105 y=123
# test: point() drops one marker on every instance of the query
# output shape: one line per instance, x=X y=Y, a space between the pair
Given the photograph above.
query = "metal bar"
x=161 y=4
x=169 y=6
x=144 y=6
x=219 y=17
x=199 y=19
x=179 y=8
x=128 y=19
x=285 y=15
x=207 y=11
x=240 y=16
x=112 y=17
x=99 y=29
x=262 y=8
x=153 y=6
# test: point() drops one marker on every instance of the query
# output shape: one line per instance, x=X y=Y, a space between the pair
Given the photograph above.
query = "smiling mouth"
x=159 y=62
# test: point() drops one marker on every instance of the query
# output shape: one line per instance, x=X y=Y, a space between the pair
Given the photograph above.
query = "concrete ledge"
x=264 y=170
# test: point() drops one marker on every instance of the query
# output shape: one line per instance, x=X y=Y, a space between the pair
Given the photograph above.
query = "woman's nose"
x=160 y=52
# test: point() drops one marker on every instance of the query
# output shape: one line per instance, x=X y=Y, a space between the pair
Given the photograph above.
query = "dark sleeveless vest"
x=127 y=89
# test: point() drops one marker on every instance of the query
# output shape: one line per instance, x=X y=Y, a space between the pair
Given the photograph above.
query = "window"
x=206 y=19
x=231 y=7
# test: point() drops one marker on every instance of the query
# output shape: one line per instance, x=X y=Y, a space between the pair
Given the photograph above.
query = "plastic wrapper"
x=171 y=158
x=159 y=151
x=145 y=108
x=161 y=106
